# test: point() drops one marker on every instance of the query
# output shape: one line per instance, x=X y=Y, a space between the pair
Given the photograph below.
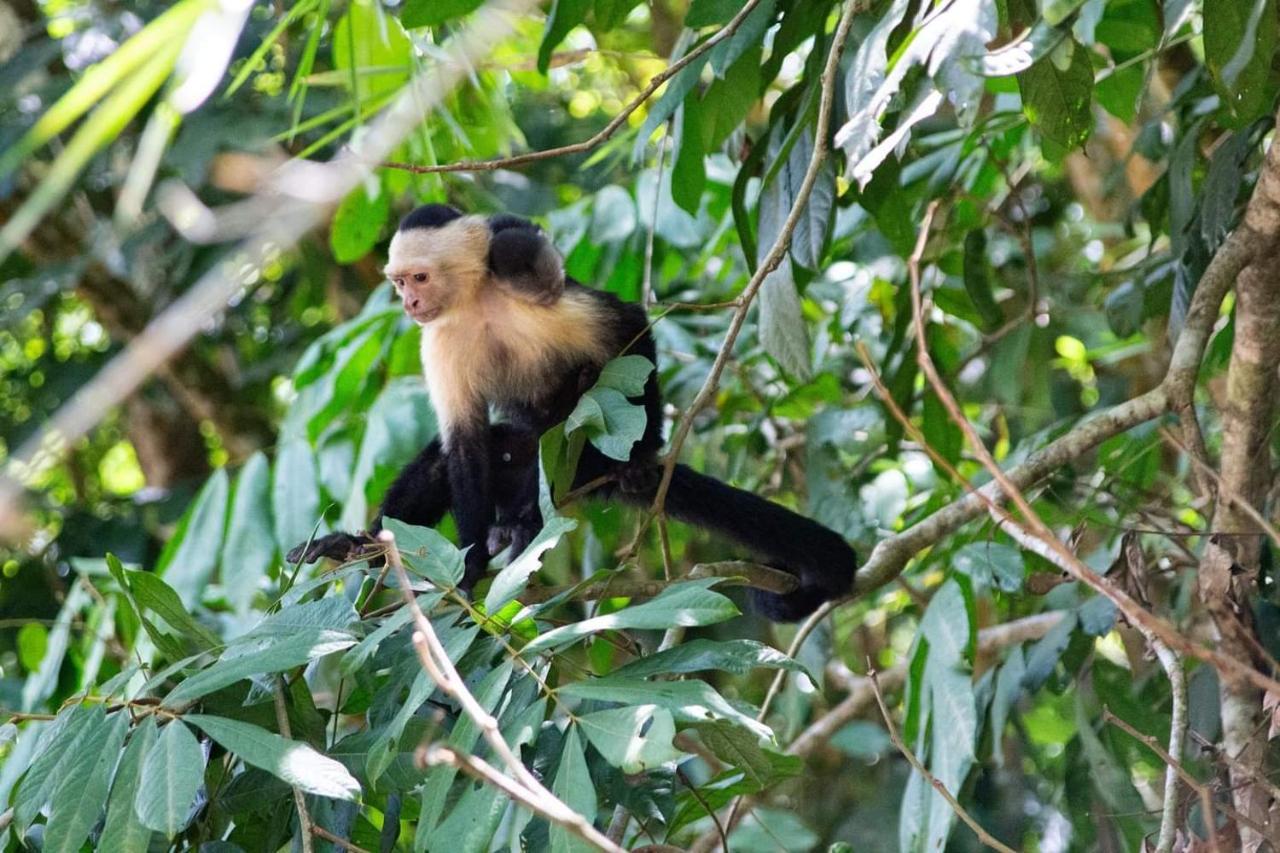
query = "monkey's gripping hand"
x=342 y=547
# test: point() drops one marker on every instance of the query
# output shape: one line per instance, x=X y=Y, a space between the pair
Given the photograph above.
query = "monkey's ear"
x=523 y=258
x=429 y=216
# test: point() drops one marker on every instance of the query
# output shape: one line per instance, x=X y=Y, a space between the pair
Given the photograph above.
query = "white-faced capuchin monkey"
x=503 y=329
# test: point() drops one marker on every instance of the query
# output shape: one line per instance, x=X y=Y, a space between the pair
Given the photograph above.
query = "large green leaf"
x=171 y=774
x=1058 y=101
x=1239 y=44
x=433 y=13
x=83 y=779
x=427 y=553
x=736 y=656
x=276 y=655
x=688 y=701
x=689 y=603
x=250 y=548
x=574 y=788
x=634 y=739
x=190 y=557
x=295 y=494
x=123 y=832
x=293 y=762
x=511 y=581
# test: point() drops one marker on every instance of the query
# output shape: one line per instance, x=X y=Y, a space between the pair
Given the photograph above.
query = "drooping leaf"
x=295 y=495
x=123 y=830
x=250 y=547
x=171 y=773
x=564 y=16
x=275 y=655
x=83 y=779
x=688 y=603
x=688 y=701
x=296 y=763
x=992 y=564
x=190 y=557
x=573 y=787
x=357 y=224
x=736 y=656
x=511 y=581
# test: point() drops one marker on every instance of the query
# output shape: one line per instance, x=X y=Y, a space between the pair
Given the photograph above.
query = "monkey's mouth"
x=425 y=316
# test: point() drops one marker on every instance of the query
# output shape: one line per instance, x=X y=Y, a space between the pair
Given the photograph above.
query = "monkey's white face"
x=433 y=269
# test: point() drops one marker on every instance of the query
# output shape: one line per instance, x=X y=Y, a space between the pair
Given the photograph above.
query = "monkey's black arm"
x=467 y=462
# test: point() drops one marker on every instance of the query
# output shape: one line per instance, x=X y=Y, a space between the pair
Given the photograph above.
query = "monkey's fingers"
x=336 y=546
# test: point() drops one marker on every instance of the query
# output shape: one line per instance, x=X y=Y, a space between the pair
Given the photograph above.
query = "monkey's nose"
x=412 y=303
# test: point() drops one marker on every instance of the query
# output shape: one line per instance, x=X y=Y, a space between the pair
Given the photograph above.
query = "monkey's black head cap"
x=429 y=216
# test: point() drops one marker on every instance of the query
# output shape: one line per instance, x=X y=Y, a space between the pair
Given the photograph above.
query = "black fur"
x=429 y=216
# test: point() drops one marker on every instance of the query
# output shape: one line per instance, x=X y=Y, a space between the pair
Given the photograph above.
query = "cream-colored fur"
x=489 y=346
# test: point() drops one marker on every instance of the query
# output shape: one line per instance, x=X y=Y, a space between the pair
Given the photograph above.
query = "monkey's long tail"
x=818 y=556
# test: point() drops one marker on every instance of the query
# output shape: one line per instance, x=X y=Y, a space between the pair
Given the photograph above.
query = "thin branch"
x=776 y=254
x=615 y=124
x=524 y=787
x=805 y=629
x=984 y=837
x=1172 y=664
x=305 y=827
x=343 y=844
x=646 y=291
x=1207 y=803
x=702 y=801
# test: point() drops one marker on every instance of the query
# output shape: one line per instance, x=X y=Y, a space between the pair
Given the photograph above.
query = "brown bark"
x=1229 y=568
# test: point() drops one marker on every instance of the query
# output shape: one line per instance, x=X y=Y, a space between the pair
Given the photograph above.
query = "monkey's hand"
x=336 y=546
x=517 y=534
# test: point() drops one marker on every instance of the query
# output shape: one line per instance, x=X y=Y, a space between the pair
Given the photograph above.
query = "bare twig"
x=1225 y=493
x=776 y=254
x=1172 y=664
x=702 y=801
x=342 y=843
x=802 y=634
x=646 y=291
x=1207 y=804
x=984 y=837
x=524 y=786
x=615 y=124
x=305 y=826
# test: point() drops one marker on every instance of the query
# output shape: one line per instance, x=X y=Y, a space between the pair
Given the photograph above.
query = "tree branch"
x=614 y=125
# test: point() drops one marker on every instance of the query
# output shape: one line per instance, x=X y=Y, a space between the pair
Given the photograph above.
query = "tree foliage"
x=1057 y=178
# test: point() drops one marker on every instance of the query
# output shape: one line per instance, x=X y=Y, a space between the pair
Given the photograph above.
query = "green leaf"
x=613 y=215
x=688 y=172
x=190 y=557
x=250 y=548
x=427 y=553
x=689 y=701
x=463 y=738
x=678 y=87
x=153 y=594
x=433 y=13
x=946 y=626
x=977 y=279
x=573 y=787
x=293 y=762
x=1044 y=655
x=1097 y=616
x=1125 y=308
x=60 y=741
x=1008 y=689
x=634 y=739
x=741 y=750
x=991 y=564
x=1057 y=101
x=295 y=495
x=1239 y=42
x=689 y=603
x=372 y=47
x=123 y=832
x=83 y=777
x=782 y=328
x=275 y=656
x=333 y=613
x=564 y=16
x=736 y=656
x=33 y=642
x=171 y=774
x=626 y=373
x=357 y=224
x=612 y=422
x=706 y=13
x=357 y=657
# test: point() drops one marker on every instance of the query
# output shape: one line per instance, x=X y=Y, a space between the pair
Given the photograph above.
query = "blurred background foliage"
x=1089 y=157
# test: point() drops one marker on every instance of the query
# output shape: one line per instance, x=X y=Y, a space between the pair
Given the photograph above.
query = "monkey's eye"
x=398 y=282
x=419 y=276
